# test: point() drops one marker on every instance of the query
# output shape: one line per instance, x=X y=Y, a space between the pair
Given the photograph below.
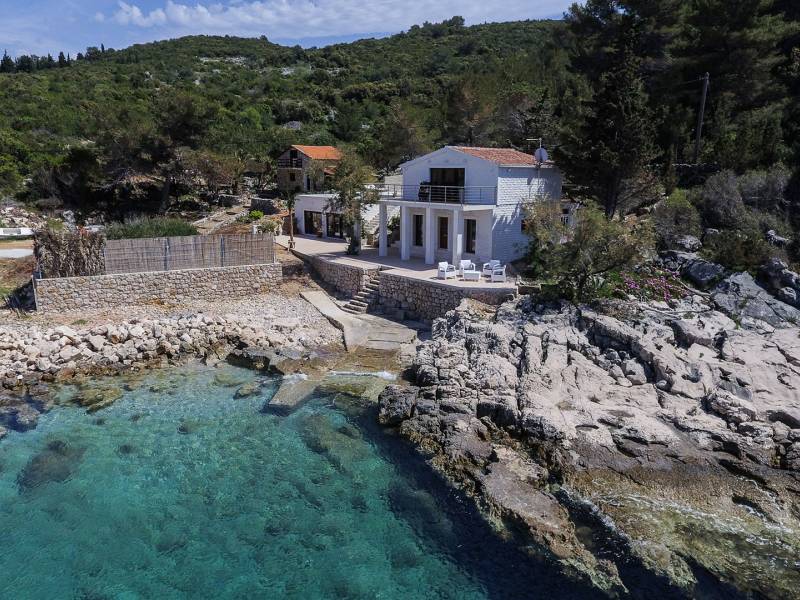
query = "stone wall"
x=428 y=300
x=346 y=279
x=70 y=293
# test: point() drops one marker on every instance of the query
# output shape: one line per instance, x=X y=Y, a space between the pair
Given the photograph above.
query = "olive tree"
x=351 y=195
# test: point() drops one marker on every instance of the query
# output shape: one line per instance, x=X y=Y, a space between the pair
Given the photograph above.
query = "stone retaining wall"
x=429 y=300
x=70 y=293
x=346 y=279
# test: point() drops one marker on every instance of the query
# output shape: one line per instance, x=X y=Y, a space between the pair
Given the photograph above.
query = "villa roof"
x=320 y=152
x=500 y=156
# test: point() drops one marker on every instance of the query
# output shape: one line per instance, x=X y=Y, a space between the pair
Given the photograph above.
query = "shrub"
x=68 y=253
x=764 y=190
x=645 y=283
x=721 y=200
x=271 y=226
x=675 y=217
x=742 y=249
x=251 y=217
x=579 y=259
x=149 y=227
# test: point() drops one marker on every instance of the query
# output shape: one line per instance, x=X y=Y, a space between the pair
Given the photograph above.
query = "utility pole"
x=700 y=116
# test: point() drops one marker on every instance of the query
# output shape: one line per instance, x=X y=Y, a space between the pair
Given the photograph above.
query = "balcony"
x=438 y=194
x=290 y=163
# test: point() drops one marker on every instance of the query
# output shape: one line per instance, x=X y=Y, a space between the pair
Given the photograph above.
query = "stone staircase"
x=371 y=224
x=360 y=303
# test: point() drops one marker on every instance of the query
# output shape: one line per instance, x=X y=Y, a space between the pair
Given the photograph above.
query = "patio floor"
x=335 y=251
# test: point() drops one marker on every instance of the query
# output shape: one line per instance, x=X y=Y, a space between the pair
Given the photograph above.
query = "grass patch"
x=149 y=227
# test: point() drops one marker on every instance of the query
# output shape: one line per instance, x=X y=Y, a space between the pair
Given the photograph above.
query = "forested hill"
x=233 y=97
x=613 y=90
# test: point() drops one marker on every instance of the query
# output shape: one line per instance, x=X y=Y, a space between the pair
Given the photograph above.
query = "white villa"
x=455 y=203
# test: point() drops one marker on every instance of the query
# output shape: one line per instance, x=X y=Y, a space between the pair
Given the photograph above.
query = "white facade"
x=320 y=206
x=484 y=205
x=315 y=203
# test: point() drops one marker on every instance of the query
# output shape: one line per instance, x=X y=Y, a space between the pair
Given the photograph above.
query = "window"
x=292 y=176
x=444 y=232
x=418 y=235
x=471 y=235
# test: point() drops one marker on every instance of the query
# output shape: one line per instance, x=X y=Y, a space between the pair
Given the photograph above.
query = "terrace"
x=335 y=251
x=443 y=194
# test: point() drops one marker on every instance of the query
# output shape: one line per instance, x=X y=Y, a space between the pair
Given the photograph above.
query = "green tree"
x=614 y=142
x=7 y=64
x=578 y=259
x=351 y=196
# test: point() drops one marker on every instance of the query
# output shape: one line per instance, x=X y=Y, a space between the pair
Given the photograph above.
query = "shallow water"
x=181 y=491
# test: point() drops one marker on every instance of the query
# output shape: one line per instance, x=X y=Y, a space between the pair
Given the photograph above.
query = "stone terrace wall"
x=70 y=293
x=347 y=279
x=429 y=300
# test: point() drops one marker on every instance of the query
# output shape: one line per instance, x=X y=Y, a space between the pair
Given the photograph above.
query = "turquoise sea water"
x=179 y=490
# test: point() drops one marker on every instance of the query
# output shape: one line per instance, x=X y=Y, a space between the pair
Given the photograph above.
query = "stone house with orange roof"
x=305 y=168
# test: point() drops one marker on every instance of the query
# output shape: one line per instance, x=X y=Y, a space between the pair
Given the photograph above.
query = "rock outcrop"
x=30 y=356
x=669 y=428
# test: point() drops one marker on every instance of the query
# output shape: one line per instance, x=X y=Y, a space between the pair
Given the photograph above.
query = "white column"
x=430 y=237
x=383 y=233
x=405 y=233
x=324 y=224
x=457 y=242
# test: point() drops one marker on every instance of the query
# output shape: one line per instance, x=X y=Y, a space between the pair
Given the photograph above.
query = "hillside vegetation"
x=613 y=90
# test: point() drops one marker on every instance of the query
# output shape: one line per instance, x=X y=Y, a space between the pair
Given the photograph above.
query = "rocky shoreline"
x=671 y=431
x=33 y=357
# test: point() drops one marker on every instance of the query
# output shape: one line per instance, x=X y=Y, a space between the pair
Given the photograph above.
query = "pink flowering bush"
x=647 y=284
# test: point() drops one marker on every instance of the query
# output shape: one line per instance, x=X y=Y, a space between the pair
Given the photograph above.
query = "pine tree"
x=7 y=64
x=62 y=60
x=613 y=144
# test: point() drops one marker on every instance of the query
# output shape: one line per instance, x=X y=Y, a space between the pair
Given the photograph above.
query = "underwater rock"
x=251 y=388
x=55 y=464
x=125 y=449
x=228 y=379
x=186 y=427
x=95 y=399
x=19 y=417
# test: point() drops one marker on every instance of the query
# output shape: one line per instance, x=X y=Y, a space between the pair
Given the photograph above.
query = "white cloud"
x=99 y=17
x=130 y=14
x=297 y=19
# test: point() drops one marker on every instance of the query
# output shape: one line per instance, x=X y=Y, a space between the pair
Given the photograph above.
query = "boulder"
x=777 y=240
x=688 y=243
x=396 y=404
x=740 y=297
x=96 y=342
x=67 y=353
x=702 y=273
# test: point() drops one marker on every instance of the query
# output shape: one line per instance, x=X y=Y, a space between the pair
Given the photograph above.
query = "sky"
x=42 y=26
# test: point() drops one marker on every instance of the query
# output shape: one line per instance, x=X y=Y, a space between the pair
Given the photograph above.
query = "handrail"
x=444 y=194
x=290 y=163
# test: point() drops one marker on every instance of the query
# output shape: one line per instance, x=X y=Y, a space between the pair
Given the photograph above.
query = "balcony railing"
x=290 y=163
x=444 y=194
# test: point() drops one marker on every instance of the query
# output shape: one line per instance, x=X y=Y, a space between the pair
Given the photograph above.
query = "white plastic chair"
x=465 y=265
x=499 y=274
x=446 y=271
x=489 y=267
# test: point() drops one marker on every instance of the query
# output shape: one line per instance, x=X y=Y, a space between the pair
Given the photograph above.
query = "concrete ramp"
x=362 y=331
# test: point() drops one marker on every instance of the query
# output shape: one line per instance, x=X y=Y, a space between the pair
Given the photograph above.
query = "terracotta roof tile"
x=501 y=156
x=320 y=152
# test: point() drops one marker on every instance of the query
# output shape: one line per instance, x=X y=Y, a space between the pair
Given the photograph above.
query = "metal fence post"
x=222 y=250
x=166 y=254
